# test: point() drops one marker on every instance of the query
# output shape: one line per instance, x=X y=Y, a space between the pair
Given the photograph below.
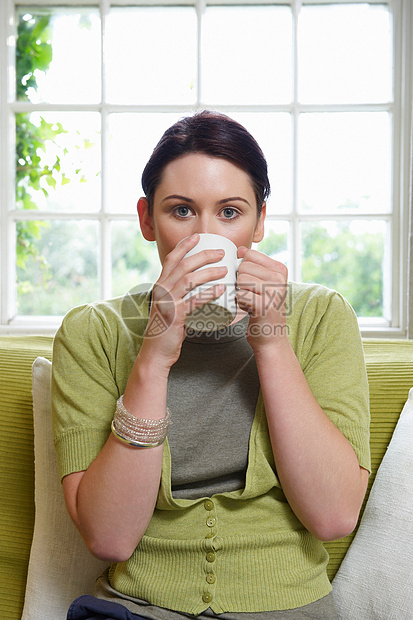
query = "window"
x=88 y=88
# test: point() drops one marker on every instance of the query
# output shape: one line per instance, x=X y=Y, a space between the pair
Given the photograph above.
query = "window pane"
x=56 y=266
x=151 y=55
x=345 y=54
x=247 y=55
x=276 y=241
x=58 y=55
x=348 y=256
x=274 y=134
x=132 y=138
x=58 y=161
x=134 y=260
x=344 y=163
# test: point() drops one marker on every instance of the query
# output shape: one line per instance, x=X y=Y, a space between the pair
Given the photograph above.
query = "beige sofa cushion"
x=60 y=567
x=375 y=579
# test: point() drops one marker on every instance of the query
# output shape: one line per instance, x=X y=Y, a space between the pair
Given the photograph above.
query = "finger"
x=177 y=266
x=196 y=278
x=179 y=251
x=264 y=295
x=206 y=296
x=174 y=291
x=200 y=259
x=241 y=251
x=258 y=305
x=187 y=275
x=259 y=258
x=257 y=278
x=247 y=301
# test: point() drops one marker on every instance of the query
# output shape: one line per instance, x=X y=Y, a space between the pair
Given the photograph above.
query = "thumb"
x=242 y=250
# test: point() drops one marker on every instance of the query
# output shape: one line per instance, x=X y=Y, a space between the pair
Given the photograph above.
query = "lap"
x=91 y=608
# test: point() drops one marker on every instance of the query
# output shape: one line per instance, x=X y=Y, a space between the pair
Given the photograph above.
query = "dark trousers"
x=90 y=608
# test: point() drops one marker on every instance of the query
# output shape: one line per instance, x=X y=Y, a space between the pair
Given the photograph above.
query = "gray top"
x=217 y=400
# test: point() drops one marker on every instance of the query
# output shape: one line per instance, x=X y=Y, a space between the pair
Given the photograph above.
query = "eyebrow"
x=178 y=197
x=220 y=202
x=232 y=200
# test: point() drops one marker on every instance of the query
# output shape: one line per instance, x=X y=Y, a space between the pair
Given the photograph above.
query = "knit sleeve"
x=84 y=391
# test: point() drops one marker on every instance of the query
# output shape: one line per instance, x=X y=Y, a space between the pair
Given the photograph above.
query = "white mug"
x=221 y=311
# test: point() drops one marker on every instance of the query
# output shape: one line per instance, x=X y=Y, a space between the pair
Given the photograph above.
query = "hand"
x=262 y=292
x=169 y=309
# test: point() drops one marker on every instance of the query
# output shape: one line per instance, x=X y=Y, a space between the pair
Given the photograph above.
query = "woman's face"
x=202 y=194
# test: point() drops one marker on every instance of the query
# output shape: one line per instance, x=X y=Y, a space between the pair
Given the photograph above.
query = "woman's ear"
x=145 y=220
x=259 y=229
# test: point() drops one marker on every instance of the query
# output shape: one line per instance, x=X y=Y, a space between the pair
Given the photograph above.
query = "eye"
x=229 y=213
x=182 y=211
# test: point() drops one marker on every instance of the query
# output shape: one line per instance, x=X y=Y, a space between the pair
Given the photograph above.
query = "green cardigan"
x=241 y=551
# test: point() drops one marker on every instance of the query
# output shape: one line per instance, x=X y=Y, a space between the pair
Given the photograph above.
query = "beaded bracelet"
x=139 y=432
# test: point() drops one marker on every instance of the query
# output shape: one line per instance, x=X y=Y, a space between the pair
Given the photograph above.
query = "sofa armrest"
x=17 y=354
x=390 y=373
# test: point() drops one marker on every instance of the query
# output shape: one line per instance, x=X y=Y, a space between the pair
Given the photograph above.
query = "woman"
x=267 y=454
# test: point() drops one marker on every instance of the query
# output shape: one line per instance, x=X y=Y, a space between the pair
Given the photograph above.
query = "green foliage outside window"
x=33 y=53
x=349 y=263
x=54 y=271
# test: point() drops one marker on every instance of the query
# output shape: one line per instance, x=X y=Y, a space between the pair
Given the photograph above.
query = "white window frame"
x=402 y=11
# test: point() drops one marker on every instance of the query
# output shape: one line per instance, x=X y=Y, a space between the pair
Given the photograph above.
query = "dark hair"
x=213 y=134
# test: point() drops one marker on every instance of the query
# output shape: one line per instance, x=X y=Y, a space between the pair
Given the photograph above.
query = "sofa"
x=23 y=577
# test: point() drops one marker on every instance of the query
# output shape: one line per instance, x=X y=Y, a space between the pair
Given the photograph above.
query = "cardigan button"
x=208 y=504
x=211 y=522
x=211 y=578
x=207 y=597
x=210 y=556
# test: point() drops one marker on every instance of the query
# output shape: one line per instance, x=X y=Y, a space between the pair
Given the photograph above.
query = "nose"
x=206 y=224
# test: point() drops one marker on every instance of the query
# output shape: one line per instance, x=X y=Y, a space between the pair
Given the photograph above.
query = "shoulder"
x=317 y=313
x=103 y=327
x=107 y=316
x=314 y=303
x=304 y=293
